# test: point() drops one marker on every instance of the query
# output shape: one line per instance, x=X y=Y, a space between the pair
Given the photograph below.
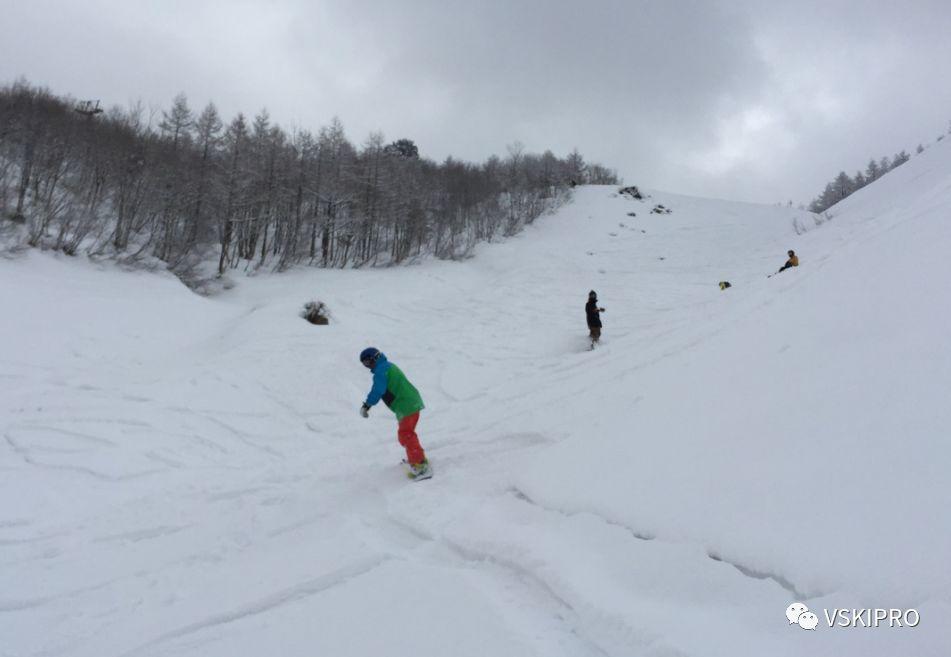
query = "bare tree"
x=165 y=183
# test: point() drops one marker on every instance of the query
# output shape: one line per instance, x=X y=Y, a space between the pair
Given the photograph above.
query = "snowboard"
x=425 y=474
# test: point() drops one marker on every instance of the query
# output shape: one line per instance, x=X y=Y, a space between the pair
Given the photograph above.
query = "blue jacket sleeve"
x=379 y=386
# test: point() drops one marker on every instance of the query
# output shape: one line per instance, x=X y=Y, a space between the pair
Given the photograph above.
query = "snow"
x=189 y=476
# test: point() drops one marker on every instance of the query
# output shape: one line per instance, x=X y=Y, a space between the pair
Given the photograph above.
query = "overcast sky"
x=742 y=99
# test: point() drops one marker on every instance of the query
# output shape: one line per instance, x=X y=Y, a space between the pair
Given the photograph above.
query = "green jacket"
x=392 y=386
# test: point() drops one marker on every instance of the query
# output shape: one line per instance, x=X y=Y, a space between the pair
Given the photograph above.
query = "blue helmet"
x=368 y=357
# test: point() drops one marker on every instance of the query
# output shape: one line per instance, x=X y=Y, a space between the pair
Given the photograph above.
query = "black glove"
x=365 y=411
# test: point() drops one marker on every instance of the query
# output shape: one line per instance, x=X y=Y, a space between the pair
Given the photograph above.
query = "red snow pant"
x=409 y=439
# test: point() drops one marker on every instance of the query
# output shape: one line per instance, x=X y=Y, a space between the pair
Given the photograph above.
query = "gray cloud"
x=742 y=99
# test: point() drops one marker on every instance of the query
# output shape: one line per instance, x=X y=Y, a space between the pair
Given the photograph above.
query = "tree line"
x=186 y=187
x=843 y=185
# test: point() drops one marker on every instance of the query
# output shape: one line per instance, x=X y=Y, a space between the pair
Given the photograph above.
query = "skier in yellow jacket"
x=792 y=262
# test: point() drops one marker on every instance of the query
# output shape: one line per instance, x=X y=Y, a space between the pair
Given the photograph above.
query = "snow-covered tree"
x=172 y=187
x=177 y=123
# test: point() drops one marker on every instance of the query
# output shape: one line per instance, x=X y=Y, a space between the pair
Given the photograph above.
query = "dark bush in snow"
x=631 y=191
x=316 y=312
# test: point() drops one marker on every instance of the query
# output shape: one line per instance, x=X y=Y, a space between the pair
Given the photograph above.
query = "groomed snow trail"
x=188 y=476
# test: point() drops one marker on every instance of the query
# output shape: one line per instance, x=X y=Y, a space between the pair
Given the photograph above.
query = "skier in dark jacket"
x=593 y=313
x=401 y=397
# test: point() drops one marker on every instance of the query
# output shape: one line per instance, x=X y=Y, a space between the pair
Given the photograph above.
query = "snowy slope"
x=189 y=476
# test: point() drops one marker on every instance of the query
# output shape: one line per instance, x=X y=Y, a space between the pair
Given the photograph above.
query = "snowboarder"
x=593 y=313
x=392 y=386
x=792 y=262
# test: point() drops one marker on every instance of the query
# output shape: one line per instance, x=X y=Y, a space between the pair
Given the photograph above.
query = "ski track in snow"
x=287 y=596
